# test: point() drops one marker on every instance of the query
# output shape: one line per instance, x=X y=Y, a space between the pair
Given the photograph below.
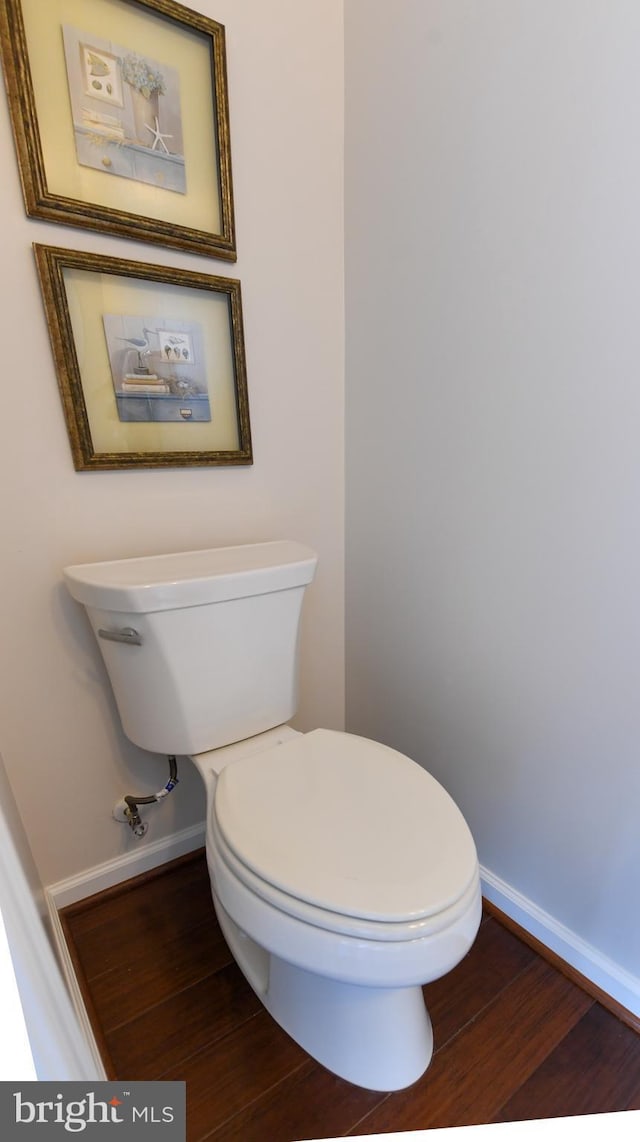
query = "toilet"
x=343 y=875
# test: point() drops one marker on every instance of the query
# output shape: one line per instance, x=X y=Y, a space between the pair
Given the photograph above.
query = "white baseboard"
x=124 y=867
x=75 y=995
x=97 y=879
x=604 y=973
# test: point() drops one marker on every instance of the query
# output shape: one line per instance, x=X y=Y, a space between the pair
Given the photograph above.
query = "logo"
x=46 y=1110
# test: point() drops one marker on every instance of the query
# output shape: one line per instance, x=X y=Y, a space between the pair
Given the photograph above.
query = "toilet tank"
x=201 y=647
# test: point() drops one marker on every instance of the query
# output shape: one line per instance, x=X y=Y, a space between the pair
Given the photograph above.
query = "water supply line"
x=127 y=809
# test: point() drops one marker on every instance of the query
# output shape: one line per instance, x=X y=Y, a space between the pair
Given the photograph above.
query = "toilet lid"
x=348 y=825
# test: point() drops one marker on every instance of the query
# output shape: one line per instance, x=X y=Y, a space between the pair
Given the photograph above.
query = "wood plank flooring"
x=514 y=1038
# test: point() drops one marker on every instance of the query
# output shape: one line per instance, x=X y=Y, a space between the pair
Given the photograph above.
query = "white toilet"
x=343 y=875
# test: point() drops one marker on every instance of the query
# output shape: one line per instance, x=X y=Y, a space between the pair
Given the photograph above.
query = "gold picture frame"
x=120 y=116
x=150 y=362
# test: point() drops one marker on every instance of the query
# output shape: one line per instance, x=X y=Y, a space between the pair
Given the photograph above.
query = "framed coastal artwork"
x=150 y=362
x=120 y=117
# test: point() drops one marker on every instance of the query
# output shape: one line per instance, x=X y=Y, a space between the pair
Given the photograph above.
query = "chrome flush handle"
x=126 y=634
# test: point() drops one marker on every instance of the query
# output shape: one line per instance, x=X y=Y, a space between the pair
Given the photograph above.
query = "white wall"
x=64 y=751
x=40 y=1034
x=493 y=365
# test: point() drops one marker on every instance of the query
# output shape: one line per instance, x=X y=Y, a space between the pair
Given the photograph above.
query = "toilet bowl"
x=338 y=919
x=343 y=875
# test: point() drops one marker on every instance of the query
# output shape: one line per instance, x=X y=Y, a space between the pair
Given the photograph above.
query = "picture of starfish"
x=158 y=137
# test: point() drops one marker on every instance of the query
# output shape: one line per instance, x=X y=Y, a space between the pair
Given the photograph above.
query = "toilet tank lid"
x=191 y=578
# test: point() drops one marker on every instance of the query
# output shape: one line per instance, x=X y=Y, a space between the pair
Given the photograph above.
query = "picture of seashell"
x=97 y=66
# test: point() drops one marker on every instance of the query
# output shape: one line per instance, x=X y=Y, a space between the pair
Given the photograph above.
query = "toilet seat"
x=346 y=834
x=231 y=876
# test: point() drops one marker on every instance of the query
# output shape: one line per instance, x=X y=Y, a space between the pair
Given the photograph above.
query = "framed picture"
x=150 y=362
x=120 y=117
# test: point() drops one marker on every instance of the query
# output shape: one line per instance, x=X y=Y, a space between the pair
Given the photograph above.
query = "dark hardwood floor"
x=514 y=1038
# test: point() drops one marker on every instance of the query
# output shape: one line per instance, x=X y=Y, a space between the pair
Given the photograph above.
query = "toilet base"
x=377 y=1038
